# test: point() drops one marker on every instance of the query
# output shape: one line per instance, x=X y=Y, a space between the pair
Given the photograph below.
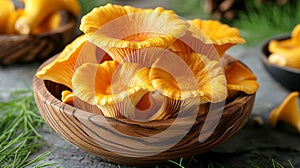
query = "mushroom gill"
x=222 y=36
x=186 y=80
x=115 y=88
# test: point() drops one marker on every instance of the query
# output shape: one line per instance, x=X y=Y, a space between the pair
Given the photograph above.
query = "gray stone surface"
x=253 y=144
x=15 y=77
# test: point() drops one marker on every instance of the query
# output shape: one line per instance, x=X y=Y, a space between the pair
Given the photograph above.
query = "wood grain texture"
x=131 y=142
x=16 y=49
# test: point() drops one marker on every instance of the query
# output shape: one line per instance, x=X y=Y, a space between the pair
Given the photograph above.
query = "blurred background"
x=257 y=19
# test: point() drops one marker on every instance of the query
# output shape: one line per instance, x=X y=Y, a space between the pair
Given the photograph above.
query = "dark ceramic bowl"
x=287 y=77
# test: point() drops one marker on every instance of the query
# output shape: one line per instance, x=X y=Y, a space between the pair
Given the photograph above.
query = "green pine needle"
x=260 y=22
x=264 y=161
x=19 y=138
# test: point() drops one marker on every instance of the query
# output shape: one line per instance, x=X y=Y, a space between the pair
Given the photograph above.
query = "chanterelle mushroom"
x=287 y=111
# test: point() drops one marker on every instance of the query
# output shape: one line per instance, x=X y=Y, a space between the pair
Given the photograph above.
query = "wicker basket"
x=28 y=48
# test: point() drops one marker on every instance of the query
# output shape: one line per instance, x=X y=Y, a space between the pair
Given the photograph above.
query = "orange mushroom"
x=240 y=78
x=61 y=70
x=67 y=97
x=222 y=36
x=10 y=27
x=121 y=31
x=115 y=89
x=286 y=52
x=197 y=81
x=142 y=78
x=295 y=35
x=6 y=11
x=210 y=33
x=289 y=59
x=36 y=11
x=197 y=76
x=287 y=111
x=50 y=23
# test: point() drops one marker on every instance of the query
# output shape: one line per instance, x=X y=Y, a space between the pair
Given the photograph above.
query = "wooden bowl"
x=138 y=143
x=287 y=77
x=16 y=49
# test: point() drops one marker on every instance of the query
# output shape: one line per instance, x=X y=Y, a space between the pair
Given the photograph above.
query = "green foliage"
x=204 y=161
x=19 y=138
x=192 y=162
x=261 y=21
x=270 y=163
x=88 y=5
x=190 y=9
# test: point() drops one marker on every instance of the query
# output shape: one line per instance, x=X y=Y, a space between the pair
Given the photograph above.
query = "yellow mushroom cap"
x=122 y=30
x=10 y=27
x=141 y=79
x=276 y=46
x=52 y=22
x=295 y=35
x=92 y=82
x=6 y=11
x=240 y=78
x=67 y=97
x=197 y=77
x=115 y=88
x=285 y=53
x=195 y=42
x=222 y=36
x=147 y=56
x=35 y=11
x=61 y=70
x=287 y=111
x=98 y=17
x=210 y=76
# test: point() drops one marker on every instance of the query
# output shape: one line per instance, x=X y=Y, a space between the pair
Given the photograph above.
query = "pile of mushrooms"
x=148 y=64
